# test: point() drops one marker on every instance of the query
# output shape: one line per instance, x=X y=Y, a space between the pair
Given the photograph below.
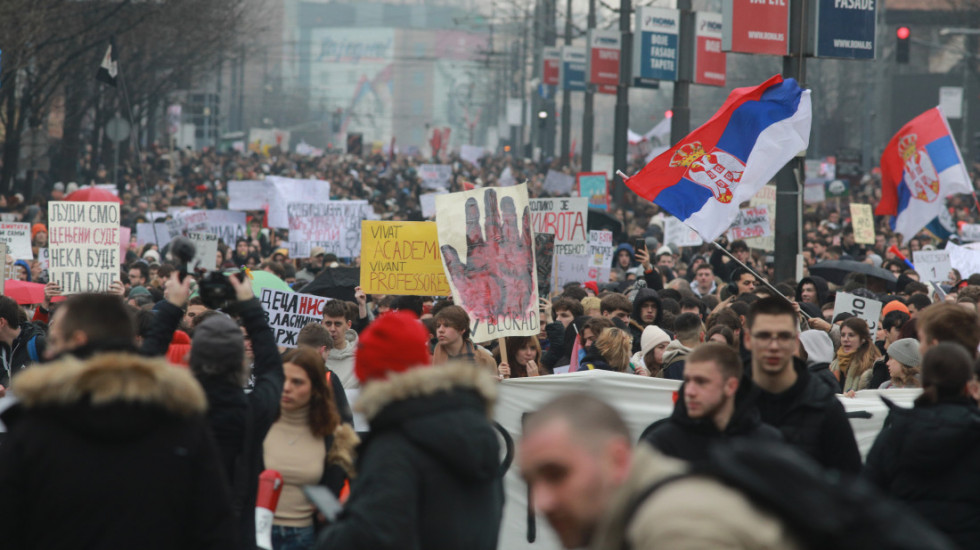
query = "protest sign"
x=156 y=233
x=678 y=233
x=124 y=237
x=17 y=237
x=932 y=265
x=750 y=222
x=228 y=225
x=428 y=204
x=471 y=153
x=206 y=250
x=44 y=262
x=289 y=312
x=333 y=225
x=495 y=279
x=9 y=216
x=435 y=176
x=573 y=269
x=863 y=222
x=600 y=254
x=970 y=232
x=544 y=254
x=766 y=196
x=286 y=190
x=964 y=259
x=592 y=185
x=814 y=192
x=566 y=219
x=402 y=258
x=865 y=308
x=558 y=184
x=83 y=240
x=249 y=194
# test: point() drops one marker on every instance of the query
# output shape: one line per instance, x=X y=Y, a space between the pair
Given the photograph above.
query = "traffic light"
x=542 y=118
x=903 y=34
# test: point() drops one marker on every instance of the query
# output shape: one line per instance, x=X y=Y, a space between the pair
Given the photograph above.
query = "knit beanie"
x=905 y=351
x=894 y=305
x=218 y=347
x=652 y=337
x=395 y=342
x=37 y=228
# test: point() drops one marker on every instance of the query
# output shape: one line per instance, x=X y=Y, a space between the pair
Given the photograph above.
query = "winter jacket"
x=428 y=472
x=16 y=357
x=111 y=453
x=686 y=438
x=341 y=361
x=636 y=326
x=927 y=457
x=675 y=355
x=819 y=283
x=594 y=360
x=811 y=418
x=690 y=513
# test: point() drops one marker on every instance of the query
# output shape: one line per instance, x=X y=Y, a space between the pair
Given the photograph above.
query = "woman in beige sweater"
x=307 y=445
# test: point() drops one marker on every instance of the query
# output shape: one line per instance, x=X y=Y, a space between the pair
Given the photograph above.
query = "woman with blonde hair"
x=611 y=351
x=855 y=356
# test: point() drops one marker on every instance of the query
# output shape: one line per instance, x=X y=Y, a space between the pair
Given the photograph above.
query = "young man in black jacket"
x=20 y=343
x=802 y=407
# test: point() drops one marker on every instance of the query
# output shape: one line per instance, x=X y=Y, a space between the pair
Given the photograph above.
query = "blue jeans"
x=292 y=538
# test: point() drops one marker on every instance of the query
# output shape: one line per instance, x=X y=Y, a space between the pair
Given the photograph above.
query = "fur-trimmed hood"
x=341 y=453
x=426 y=381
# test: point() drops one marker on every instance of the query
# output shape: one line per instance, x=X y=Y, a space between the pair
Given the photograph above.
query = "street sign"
x=756 y=27
x=551 y=57
x=843 y=29
x=709 y=59
x=655 y=45
x=117 y=129
x=602 y=66
x=572 y=72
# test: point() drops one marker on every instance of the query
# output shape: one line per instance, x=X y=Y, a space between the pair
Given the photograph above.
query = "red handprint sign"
x=488 y=252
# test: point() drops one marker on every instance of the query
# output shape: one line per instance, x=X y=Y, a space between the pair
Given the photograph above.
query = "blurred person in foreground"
x=428 y=471
x=584 y=476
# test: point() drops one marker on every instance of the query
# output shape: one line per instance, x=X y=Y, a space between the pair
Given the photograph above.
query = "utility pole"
x=566 y=96
x=620 y=144
x=588 y=115
x=680 y=123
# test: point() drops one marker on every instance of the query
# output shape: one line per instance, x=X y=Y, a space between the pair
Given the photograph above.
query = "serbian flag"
x=704 y=178
x=920 y=167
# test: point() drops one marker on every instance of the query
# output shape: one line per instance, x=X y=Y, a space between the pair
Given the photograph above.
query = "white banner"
x=333 y=225
x=559 y=184
x=287 y=190
x=964 y=259
x=289 y=312
x=17 y=236
x=865 y=308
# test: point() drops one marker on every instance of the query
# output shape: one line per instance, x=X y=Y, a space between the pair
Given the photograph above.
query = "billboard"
x=843 y=29
x=602 y=66
x=655 y=45
x=755 y=27
x=551 y=57
x=572 y=72
x=709 y=59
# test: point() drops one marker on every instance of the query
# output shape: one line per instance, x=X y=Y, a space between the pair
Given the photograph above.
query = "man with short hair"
x=716 y=404
x=139 y=274
x=195 y=307
x=804 y=408
x=744 y=280
x=688 y=333
x=947 y=322
x=704 y=281
x=338 y=319
x=313 y=266
x=567 y=310
x=453 y=340
x=616 y=305
x=316 y=336
x=17 y=340
x=593 y=487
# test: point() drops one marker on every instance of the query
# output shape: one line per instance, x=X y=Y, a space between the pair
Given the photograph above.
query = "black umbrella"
x=836 y=271
x=600 y=220
x=335 y=282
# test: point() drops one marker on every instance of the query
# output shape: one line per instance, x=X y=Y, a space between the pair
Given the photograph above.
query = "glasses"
x=781 y=337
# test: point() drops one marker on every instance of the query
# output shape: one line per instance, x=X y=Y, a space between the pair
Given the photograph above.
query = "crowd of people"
x=166 y=410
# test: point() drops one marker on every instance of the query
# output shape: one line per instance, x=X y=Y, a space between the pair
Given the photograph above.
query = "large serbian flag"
x=704 y=178
x=920 y=167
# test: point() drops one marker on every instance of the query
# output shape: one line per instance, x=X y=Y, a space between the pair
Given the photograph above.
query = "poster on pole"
x=83 y=244
x=932 y=265
x=863 y=222
x=335 y=226
x=593 y=186
x=602 y=59
x=402 y=258
x=289 y=312
x=206 y=250
x=859 y=306
x=572 y=68
x=710 y=61
x=550 y=58
x=489 y=259
x=17 y=237
x=566 y=219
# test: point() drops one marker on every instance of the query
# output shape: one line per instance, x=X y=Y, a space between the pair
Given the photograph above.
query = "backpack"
x=823 y=509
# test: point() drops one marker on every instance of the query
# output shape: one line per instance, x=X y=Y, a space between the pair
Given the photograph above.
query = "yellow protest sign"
x=864 y=223
x=401 y=258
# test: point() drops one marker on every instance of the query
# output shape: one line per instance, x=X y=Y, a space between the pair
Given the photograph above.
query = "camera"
x=214 y=287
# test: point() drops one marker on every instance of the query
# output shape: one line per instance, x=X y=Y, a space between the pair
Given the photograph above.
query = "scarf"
x=844 y=361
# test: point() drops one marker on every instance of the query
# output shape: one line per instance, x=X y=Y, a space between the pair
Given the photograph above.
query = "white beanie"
x=652 y=337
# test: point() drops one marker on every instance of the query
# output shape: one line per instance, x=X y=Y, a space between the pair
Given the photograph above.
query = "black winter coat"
x=428 y=472
x=637 y=325
x=811 y=418
x=16 y=356
x=689 y=438
x=927 y=457
x=111 y=453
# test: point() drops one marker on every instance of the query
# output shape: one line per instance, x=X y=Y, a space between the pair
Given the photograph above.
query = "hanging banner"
x=566 y=219
x=655 y=45
x=709 y=59
x=551 y=57
x=572 y=70
x=17 y=236
x=289 y=312
x=335 y=226
x=755 y=27
x=83 y=245
x=489 y=260
x=593 y=186
x=602 y=58
x=402 y=258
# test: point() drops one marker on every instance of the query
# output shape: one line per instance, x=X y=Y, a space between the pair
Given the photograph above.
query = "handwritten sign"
x=863 y=222
x=206 y=250
x=970 y=232
x=678 y=233
x=750 y=222
x=435 y=176
x=600 y=254
x=932 y=265
x=964 y=259
x=402 y=258
x=865 y=308
x=17 y=237
x=289 y=312
x=566 y=219
x=157 y=233
x=558 y=184
x=766 y=196
x=228 y=225
x=83 y=242
x=283 y=191
x=814 y=193
x=333 y=225
x=593 y=186
x=573 y=269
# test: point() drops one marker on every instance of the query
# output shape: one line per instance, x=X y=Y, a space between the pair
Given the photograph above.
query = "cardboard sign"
x=863 y=222
x=558 y=184
x=157 y=233
x=249 y=194
x=286 y=190
x=544 y=257
x=750 y=222
x=436 y=176
x=865 y=308
x=206 y=250
x=333 y=225
x=600 y=254
x=83 y=245
x=593 y=186
x=493 y=277
x=573 y=269
x=814 y=193
x=289 y=312
x=678 y=233
x=932 y=265
x=766 y=196
x=402 y=258
x=970 y=232
x=17 y=237
x=964 y=259
x=566 y=219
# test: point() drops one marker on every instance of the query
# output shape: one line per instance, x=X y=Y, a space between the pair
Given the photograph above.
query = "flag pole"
x=757 y=276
